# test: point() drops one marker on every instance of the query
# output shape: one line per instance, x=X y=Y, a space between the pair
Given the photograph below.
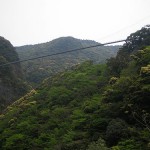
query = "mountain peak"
x=59 y=63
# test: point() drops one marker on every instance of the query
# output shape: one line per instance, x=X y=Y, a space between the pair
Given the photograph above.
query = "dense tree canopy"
x=85 y=107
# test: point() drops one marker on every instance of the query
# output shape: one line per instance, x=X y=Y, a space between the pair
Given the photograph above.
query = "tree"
x=116 y=130
x=98 y=145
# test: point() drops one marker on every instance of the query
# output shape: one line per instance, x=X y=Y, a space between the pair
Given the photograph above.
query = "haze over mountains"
x=37 y=70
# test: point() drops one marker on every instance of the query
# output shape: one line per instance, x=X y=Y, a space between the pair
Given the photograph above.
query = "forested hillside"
x=38 y=70
x=89 y=107
x=11 y=79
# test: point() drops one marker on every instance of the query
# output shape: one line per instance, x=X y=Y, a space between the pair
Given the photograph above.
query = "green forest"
x=36 y=71
x=91 y=106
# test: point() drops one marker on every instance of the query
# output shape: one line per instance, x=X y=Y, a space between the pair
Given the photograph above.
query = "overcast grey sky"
x=36 y=21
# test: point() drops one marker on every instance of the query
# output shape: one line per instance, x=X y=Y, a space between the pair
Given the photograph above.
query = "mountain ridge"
x=53 y=65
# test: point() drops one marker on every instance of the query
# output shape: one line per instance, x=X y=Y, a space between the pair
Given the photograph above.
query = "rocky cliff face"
x=12 y=85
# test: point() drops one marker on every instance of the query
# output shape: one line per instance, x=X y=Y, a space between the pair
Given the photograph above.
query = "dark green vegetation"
x=38 y=70
x=91 y=107
x=11 y=83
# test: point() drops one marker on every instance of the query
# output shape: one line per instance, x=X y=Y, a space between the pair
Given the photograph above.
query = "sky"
x=25 y=22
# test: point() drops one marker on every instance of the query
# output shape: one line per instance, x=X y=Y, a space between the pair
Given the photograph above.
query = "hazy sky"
x=36 y=21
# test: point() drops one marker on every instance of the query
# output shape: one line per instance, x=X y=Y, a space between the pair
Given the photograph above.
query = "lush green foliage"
x=84 y=108
x=62 y=109
x=38 y=70
x=135 y=42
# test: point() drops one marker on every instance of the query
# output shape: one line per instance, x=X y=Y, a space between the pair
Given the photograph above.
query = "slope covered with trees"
x=38 y=70
x=11 y=79
x=91 y=107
